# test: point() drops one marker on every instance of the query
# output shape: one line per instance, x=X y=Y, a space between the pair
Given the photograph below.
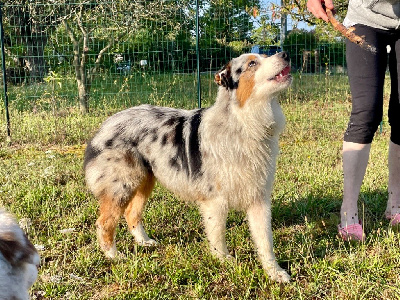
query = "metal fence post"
x=198 y=56
x=3 y=64
x=283 y=29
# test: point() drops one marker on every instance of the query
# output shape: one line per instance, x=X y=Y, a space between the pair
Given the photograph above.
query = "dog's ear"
x=223 y=76
x=14 y=244
x=16 y=251
x=217 y=78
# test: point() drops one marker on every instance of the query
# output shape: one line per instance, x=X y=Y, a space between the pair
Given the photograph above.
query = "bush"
x=300 y=43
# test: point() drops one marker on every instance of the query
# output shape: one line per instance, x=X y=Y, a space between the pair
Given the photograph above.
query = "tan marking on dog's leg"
x=134 y=210
x=259 y=218
x=106 y=225
x=214 y=217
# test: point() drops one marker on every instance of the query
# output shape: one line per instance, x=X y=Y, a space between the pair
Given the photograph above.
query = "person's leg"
x=366 y=72
x=393 y=205
x=355 y=160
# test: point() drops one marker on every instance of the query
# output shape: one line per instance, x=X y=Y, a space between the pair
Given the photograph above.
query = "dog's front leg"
x=214 y=217
x=259 y=218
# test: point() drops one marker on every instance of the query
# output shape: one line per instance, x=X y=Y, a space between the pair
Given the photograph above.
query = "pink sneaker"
x=352 y=232
x=394 y=220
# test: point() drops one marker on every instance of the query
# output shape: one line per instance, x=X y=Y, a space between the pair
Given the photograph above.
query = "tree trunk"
x=83 y=94
x=80 y=71
x=84 y=77
x=34 y=59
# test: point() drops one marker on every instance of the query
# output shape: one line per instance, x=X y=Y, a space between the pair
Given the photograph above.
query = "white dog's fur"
x=222 y=157
x=18 y=260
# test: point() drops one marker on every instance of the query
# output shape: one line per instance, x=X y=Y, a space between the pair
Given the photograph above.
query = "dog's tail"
x=90 y=153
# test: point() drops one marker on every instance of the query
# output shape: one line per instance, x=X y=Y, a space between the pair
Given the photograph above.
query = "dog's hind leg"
x=214 y=217
x=110 y=212
x=113 y=178
x=134 y=210
x=259 y=218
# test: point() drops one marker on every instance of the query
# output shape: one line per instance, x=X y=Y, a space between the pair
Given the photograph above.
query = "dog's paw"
x=225 y=258
x=118 y=255
x=111 y=253
x=221 y=255
x=279 y=275
x=148 y=243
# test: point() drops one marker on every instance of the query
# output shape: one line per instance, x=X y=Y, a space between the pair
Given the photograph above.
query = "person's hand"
x=317 y=8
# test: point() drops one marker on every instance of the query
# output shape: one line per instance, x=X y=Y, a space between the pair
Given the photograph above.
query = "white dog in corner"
x=18 y=260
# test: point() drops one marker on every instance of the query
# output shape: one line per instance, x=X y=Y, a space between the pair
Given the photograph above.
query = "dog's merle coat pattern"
x=18 y=260
x=222 y=157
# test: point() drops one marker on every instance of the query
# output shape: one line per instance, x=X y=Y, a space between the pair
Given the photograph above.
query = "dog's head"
x=18 y=259
x=253 y=75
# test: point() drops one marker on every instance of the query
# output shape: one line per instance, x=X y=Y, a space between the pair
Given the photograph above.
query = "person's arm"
x=317 y=9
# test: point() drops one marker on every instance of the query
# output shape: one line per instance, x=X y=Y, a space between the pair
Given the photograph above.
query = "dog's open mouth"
x=283 y=75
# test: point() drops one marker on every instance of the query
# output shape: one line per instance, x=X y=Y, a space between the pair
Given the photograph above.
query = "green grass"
x=41 y=179
x=113 y=92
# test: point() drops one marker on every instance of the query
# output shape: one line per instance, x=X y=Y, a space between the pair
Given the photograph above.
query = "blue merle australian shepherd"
x=222 y=157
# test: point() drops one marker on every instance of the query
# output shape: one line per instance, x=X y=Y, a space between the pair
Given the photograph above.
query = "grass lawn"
x=42 y=183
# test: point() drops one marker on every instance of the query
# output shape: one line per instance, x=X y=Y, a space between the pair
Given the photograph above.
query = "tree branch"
x=69 y=31
x=349 y=33
x=76 y=49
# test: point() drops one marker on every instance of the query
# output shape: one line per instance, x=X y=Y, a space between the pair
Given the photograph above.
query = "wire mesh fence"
x=120 y=53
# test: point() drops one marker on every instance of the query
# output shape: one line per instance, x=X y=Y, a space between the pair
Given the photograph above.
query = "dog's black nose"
x=284 y=55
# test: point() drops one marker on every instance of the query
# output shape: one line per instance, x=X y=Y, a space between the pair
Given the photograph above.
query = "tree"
x=297 y=10
x=28 y=27
x=266 y=33
x=225 y=27
x=310 y=49
x=117 y=20
x=167 y=43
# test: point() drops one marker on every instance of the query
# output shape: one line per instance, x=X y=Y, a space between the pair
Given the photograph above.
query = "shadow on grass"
x=175 y=221
x=318 y=207
x=312 y=221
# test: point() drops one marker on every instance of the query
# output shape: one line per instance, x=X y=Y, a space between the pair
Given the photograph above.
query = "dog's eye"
x=252 y=63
